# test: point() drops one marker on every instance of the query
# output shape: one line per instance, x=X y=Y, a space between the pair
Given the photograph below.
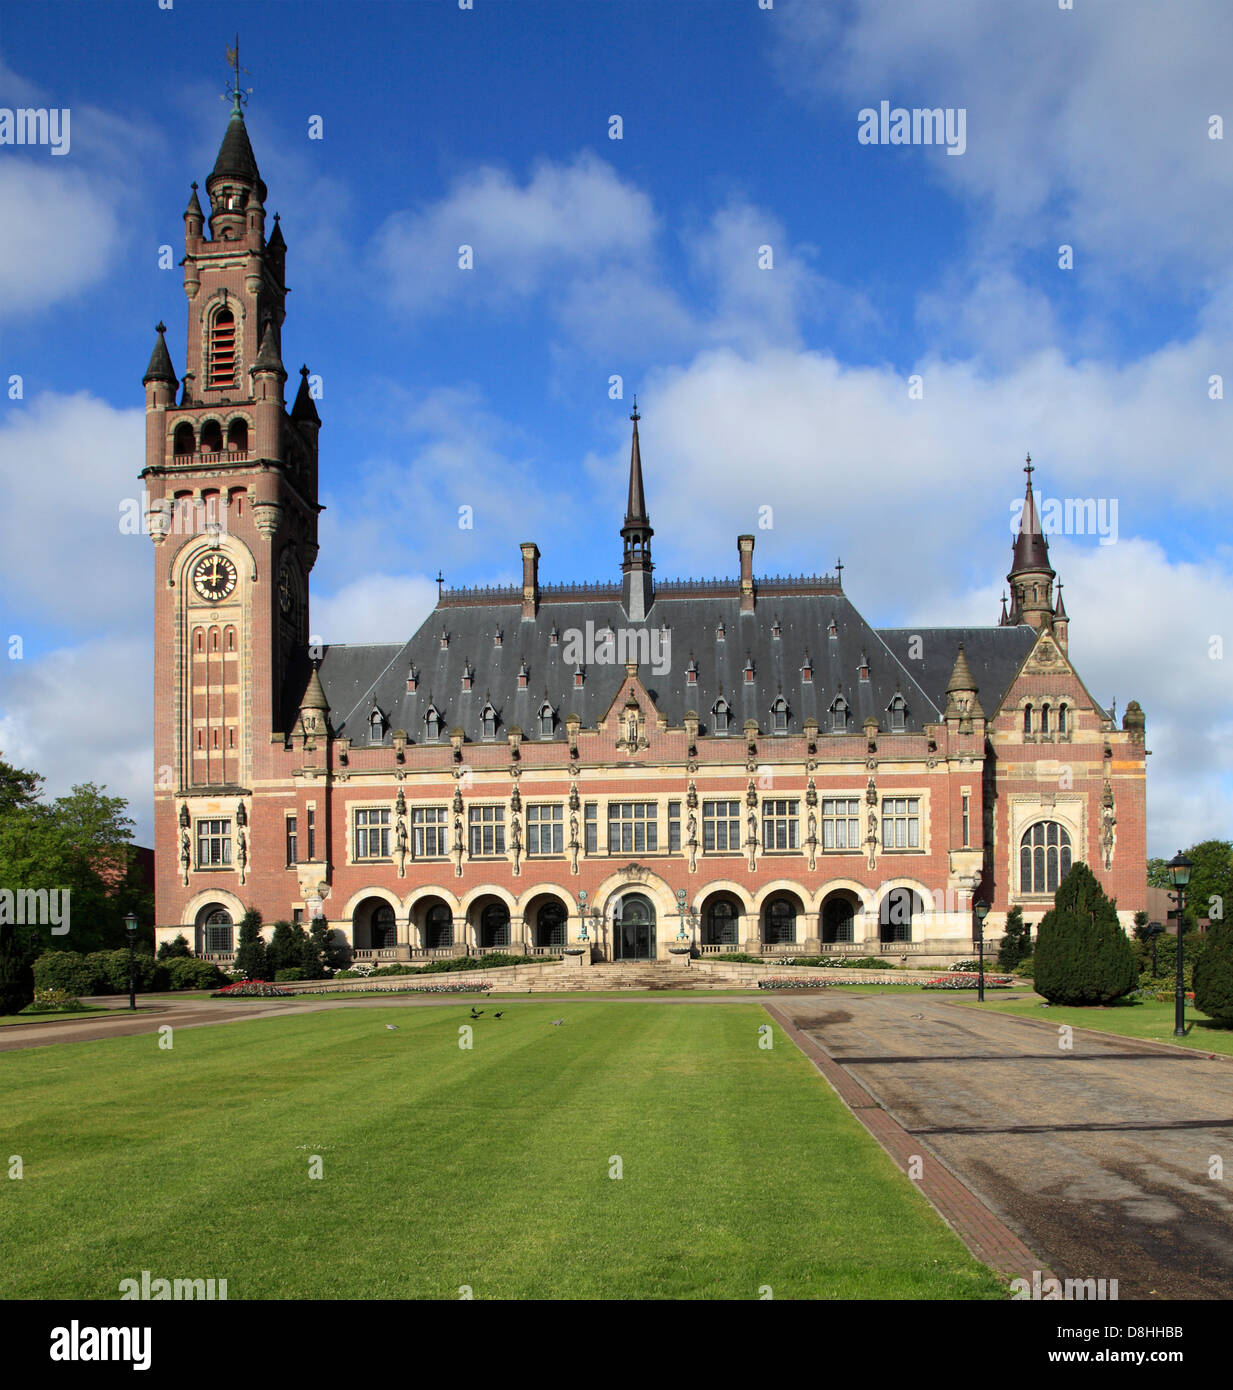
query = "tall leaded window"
x=432 y=724
x=901 y=822
x=429 y=832
x=898 y=714
x=292 y=841
x=723 y=714
x=633 y=827
x=1027 y=719
x=779 y=715
x=1044 y=719
x=312 y=833
x=895 y=915
x=839 y=715
x=546 y=828
x=674 y=827
x=1061 y=720
x=721 y=827
x=841 y=826
x=546 y=721
x=780 y=825
x=1044 y=857
x=383 y=928
x=213 y=844
x=590 y=832
x=372 y=833
x=487 y=825
x=489 y=717
x=438 y=927
x=376 y=726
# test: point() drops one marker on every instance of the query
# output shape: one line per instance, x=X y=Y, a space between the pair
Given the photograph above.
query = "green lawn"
x=1133 y=1018
x=64 y=1015
x=443 y=1167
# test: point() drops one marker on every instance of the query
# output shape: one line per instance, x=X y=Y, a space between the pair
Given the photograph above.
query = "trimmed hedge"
x=191 y=973
x=1213 y=975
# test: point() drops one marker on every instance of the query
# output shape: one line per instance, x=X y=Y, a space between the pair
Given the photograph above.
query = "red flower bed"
x=251 y=989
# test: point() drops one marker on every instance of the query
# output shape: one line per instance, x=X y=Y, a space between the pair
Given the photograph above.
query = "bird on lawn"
x=498 y=1015
x=392 y=1027
x=477 y=1015
x=556 y=1022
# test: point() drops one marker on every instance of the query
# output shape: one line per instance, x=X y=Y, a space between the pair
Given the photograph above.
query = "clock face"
x=286 y=589
x=214 y=578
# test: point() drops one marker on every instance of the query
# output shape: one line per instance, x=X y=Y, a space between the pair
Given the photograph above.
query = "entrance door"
x=633 y=931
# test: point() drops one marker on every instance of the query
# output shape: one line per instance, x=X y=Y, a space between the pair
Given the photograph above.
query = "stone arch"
x=721 y=918
x=547 y=929
x=781 y=917
x=841 y=917
x=374 y=921
x=902 y=908
x=489 y=919
x=783 y=885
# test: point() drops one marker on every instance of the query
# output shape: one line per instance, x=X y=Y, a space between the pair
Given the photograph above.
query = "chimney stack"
x=530 y=580
x=745 y=545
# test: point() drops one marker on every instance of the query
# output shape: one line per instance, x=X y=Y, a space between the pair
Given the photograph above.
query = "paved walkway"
x=1097 y=1158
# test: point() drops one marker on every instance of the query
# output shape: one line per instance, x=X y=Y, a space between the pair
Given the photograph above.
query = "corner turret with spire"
x=1031 y=575
x=637 y=589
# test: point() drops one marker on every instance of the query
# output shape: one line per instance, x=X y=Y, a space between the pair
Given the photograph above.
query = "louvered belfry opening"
x=222 y=364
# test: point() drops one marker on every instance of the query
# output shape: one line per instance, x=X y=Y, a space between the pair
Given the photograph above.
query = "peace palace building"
x=614 y=768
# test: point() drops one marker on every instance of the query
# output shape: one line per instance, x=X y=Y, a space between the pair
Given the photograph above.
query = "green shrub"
x=1082 y=954
x=285 y=949
x=174 y=950
x=1213 y=974
x=740 y=957
x=869 y=963
x=1026 y=967
x=191 y=973
x=1016 y=941
x=289 y=974
x=70 y=971
x=250 y=955
x=49 y=1001
x=112 y=968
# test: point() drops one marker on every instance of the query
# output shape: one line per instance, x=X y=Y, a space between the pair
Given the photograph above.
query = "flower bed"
x=251 y=989
x=454 y=987
x=968 y=981
x=790 y=982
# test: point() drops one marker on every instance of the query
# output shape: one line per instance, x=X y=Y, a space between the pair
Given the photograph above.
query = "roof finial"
x=635 y=417
x=1029 y=469
x=237 y=94
x=839 y=571
x=440 y=581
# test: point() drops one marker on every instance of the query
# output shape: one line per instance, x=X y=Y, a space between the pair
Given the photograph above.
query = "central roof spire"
x=637 y=590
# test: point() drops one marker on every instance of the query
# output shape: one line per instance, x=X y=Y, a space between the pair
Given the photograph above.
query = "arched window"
x=384 y=929
x=723 y=713
x=494 y=926
x=721 y=923
x=1044 y=857
x=546 y=721
x=438 y=927
x=184 y=440
x=780 y=922
x=489 y=717
x=1061 y=720
x=237 y=437
x=217 y=931
x=1044 y=719
x=221 y=353
x=839 y=715
x=1027 y=719
x=550 y=925
x=779 y=715
x=895 y=915
x=898 y=714
x=211 y=437
x=376 y=726
x=432 y=724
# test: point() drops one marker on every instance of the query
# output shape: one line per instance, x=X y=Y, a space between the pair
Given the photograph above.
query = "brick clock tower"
x=231 y=486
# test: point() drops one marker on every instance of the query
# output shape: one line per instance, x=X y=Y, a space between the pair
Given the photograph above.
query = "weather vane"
x=236 y=94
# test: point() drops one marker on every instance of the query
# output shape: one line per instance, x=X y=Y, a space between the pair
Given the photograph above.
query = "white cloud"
x=374 y=608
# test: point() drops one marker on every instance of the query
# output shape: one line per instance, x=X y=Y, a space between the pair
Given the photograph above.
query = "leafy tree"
x=250 y=956
x=19 y=789
x=16 y=976
x=1158 y=874
x=1082 y=955
x=1213 y=974
x=1016 y=943
x=174 y=950
x=1141 y=925
x=1210 y=891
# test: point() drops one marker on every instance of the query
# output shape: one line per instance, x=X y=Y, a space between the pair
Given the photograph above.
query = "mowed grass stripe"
x=445 y=1167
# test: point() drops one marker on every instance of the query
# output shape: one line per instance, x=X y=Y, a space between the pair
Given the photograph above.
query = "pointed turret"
x=304 y=410
x=637 y=589
x=268 y=357
x=1061 y=623
x=160 y=368
x=194 y=218
x=1031 y=575
x=236 y=161
x=961 y=701
x=314 y=707
x=237 y=192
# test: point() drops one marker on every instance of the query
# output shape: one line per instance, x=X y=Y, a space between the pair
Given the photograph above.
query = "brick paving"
x=1099 y=1158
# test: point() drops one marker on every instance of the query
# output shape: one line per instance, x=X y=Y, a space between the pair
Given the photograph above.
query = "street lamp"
x=1152 y=931
x=981 y=909
x=582 y=914
x=1179 y=874
x=130 y=923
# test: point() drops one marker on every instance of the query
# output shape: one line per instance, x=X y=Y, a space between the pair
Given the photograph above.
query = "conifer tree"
x=1213 y=974
x=1082 y=954
x=16 y=975
x=1016 y=943
x=250 y=958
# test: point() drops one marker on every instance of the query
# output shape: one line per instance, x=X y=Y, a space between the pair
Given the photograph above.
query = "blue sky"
x=785 y=388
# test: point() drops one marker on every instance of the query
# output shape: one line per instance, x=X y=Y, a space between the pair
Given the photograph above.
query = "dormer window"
x=488 y=716
x=749 y=671
x=413 y=679
x=723 y=714
x=376 y=726
x=839 y=715
x=779 y=716
x=497 y=638
x=468 y=676
x=547 y=720
x=578 y=678
x=523 y=675
x=554 y=636
x=432 y=724
x=445 y=640
x=832 y=629
x=807 y=670
x=691 y=672
x=720 y=633
x=776 y=630
x=898 y=714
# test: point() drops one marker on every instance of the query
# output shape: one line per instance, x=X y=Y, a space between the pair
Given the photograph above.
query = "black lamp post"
x=1179 y=874
x=981 y=909
x=130 y=923
x=1154 y=930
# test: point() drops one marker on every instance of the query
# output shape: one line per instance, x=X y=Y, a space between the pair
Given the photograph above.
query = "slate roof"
x=994 y=655
x=236 y=158
x=354 y=677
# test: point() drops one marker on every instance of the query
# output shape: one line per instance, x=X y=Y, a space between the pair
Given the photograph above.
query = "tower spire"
x=637 y=590
x=1031 y=576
